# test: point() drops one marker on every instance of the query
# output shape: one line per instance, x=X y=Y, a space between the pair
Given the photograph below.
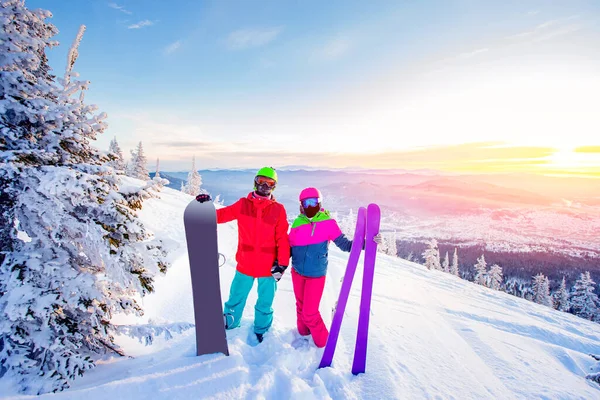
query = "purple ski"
x=360 y=351
x=357 y=245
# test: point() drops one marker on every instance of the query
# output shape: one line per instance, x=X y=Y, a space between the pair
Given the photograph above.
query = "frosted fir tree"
x=72 y=250
x=481 y=271
x=541 y=290
x=446 y=264
x=137 y=165
x=454 y=266
x=157 y=173
x=495 y=277
x=561 y=297
x=391 y=247
x=388 y=245
x=159 y=181
x=194 y=181
x=116 y=156
x=348 y=223
x=431 y=255
x=584 y=302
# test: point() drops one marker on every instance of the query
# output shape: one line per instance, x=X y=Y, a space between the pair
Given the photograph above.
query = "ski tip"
x=373 y=206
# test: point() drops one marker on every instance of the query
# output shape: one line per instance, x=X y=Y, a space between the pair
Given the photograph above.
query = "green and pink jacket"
x=309 y=239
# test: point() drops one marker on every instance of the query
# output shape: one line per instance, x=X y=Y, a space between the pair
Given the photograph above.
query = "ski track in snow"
x=431 y=336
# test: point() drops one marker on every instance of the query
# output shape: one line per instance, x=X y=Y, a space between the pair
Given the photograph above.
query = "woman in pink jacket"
x=309 y=238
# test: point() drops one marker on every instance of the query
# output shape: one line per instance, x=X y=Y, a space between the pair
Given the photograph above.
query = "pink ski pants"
x=308 y=293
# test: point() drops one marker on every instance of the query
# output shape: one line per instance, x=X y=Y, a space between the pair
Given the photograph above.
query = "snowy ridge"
x=432 y=335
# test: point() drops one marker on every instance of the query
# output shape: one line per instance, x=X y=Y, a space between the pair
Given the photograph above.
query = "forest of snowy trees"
x=581 y=300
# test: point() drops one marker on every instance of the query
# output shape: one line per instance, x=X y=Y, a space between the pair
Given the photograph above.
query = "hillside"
x=432 y=335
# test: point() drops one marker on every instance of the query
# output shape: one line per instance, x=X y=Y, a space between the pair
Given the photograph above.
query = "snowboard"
x=360 y=351
x=357 y=245
x=200 y=221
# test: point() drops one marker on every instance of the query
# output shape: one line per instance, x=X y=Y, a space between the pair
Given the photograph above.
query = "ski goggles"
x=310 y=202
x=263 y=180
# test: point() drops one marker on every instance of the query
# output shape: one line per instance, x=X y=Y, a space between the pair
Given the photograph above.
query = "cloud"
x=547 y=30
x=120 y=8
x=172 y=47
x=474 y=53
x=184 y=144
x=334 y=49
x=141 y=24
x=248 y=38
x=588 y=149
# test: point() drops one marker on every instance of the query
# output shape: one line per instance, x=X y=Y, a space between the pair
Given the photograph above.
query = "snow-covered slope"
x=432 y=335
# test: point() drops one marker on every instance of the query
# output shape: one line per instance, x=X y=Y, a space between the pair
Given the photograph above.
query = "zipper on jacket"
x=313 y=228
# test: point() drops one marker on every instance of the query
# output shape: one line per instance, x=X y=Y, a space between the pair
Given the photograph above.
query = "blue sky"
x=245 y=83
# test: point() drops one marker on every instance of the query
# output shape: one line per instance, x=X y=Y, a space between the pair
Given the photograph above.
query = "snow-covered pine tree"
x=495 y=277
x=541 y=290
x=158 y=181
x=388 y=245
x=137 y=165
x=72 y=251
x=194 y=181
x=390 y=242
x=116 y=156
x=431 y=255
x=454 y=266
x=481 y=271
x=561 y=297
x=348 y=223
x=157 y=173
x=584 y=302
x=446 y=264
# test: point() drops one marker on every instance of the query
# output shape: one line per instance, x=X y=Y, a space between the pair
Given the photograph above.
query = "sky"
x=455 y=85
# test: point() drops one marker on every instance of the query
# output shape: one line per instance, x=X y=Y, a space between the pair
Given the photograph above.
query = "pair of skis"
x=367 y=226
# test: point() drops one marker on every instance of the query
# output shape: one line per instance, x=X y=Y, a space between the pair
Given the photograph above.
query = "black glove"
x=277 y=271
x=203 y=197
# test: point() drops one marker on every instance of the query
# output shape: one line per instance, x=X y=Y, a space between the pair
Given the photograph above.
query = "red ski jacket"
x=262 y=234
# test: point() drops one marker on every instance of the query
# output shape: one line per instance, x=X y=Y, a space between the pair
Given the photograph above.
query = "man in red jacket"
x=263 y=251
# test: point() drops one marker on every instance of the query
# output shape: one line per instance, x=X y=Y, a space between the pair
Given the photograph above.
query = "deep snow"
x=432 y=335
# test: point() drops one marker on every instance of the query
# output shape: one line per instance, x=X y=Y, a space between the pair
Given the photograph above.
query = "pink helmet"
x=310 y=192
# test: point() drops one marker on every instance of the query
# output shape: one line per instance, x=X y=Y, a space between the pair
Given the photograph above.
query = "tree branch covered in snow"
x=148 y=332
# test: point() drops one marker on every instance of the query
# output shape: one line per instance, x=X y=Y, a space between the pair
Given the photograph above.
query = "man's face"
x=264 y=185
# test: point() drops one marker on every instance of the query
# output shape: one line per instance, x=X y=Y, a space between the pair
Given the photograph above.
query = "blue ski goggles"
x=310 y=202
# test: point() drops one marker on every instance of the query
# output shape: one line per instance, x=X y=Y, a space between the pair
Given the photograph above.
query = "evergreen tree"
x=481 y=271
x=157 y=174
x=137 y=165
x=63 y=272
x=116 y=155
x=495 y=277
x=194 y=181
x=584 y=302
x=389 y=244
x=446 y=264
x=348 y=223
x=541 y=290
x=432 y=255
x=454 y=267
x=561 y=297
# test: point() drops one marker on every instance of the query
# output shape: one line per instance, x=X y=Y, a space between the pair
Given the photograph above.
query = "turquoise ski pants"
x=238 y=294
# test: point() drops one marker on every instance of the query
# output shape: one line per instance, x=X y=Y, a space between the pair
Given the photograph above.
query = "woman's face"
x=310 y=211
